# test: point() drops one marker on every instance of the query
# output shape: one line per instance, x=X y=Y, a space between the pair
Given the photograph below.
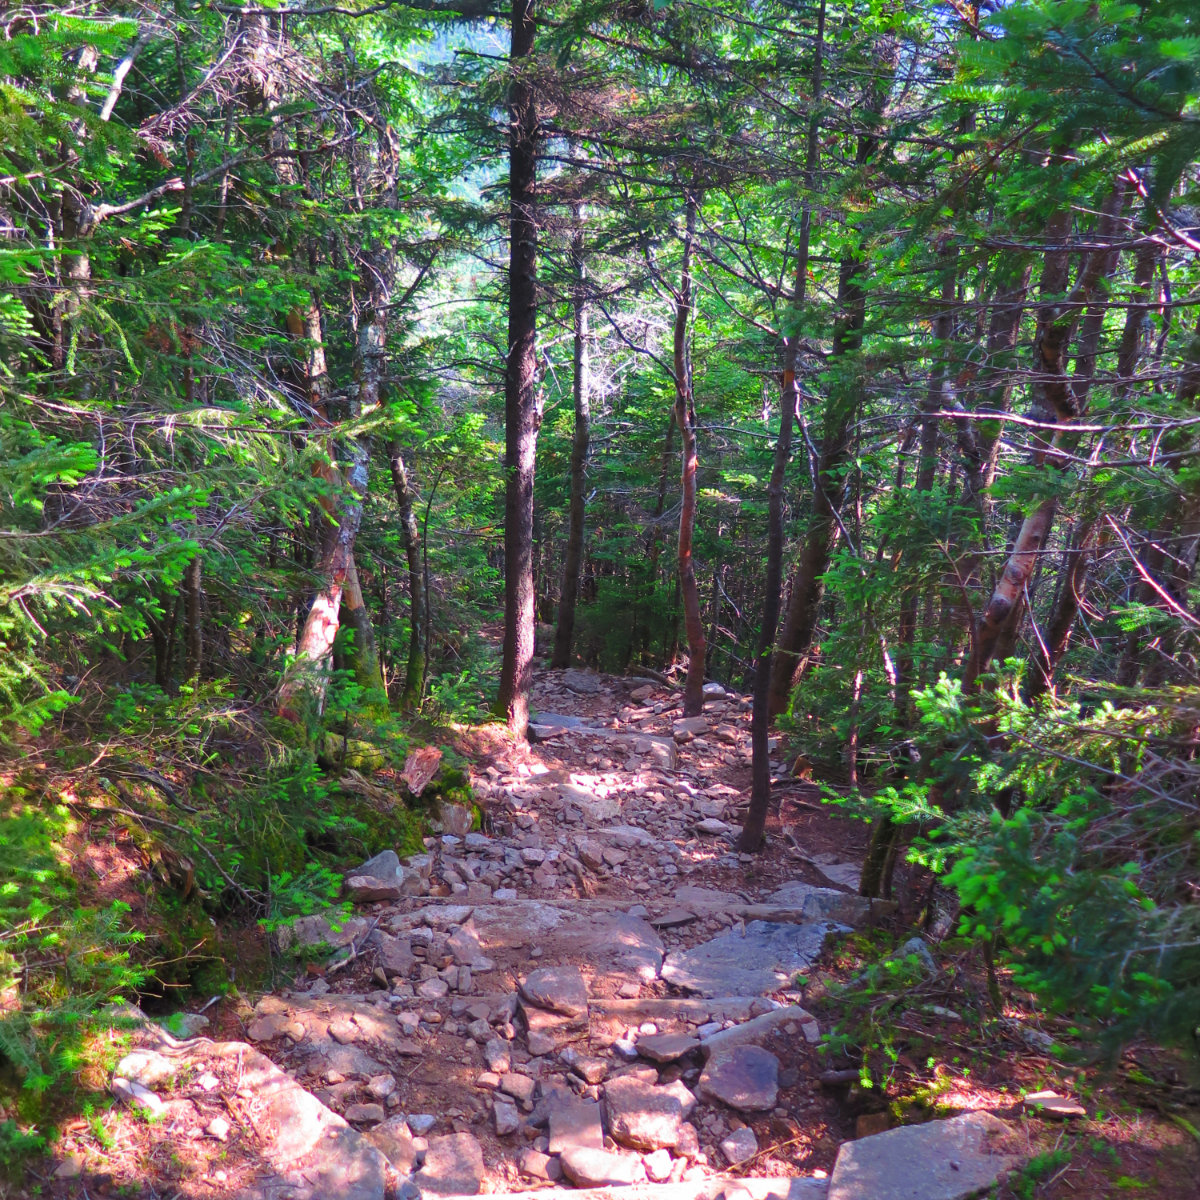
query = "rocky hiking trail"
x=593 y=991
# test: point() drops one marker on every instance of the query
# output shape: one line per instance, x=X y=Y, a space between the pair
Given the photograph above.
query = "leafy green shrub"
x=1073 y=840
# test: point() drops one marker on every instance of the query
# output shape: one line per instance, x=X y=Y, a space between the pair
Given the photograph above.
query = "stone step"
x=750 y=1188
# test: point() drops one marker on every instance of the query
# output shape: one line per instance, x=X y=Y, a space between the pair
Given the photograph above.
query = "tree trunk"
x=685 y=419
x=824 y=531
x=522 y=412
x=304 y=685
x=751 y=838
x=1049 y=649
x=194 y=616
x=365 y=652
x=1056 y=400
x=821 y=536
x=579 y=456
x=410 y=537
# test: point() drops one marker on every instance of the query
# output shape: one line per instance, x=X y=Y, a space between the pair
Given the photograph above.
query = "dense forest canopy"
x=848 y=353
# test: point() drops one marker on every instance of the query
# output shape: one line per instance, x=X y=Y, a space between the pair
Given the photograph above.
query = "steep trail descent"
x=593 y=991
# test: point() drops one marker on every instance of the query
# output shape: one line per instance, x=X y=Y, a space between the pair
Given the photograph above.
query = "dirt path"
x=592 y=990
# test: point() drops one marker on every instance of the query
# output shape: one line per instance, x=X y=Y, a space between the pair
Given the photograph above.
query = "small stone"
x=207 y=1081
x=147 y=1067
x=381 y=1086
x=344 y=1031
x=465 y=947
x=1051 y=1104
x=557 y=989
x=498 y=1056
x=519 y=1087
x=433 y=989
x=71 y=1167
x=640 y=1115
x=508 y=1120
x=132 y=1093
x=598 y=1168
x=739 y=1146
x=658 y=1165
x=456 y=819
x=393 y=1139
x=421 y=1123
x=666 y=1047
x=453 y=1166
x=592 y=1070
x=712 y=827
x=396 y=958
x=364 y=1114
x=537 y=1165
x=681 y=1092
x=264 y=1029
x=218 y=1128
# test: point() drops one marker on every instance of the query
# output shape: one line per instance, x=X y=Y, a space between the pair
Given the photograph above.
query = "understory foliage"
x=255 y=349
x=1072 y=839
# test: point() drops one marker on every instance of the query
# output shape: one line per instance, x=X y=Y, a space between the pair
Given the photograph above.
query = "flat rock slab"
x=756 y=1029
x=595 y=808
x=557 y=989
x=744 y=1077
x=315 y=1152
x=613 y=945
x=582 y=683
x=754 y=963
x=575 y=1125
x=712 y=1188
x=822 y=904
x=453 y=1167
x=942 y=1160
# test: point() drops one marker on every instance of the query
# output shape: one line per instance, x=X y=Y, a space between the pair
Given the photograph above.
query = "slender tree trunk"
x=194 y=616
x=654 y=549
x=304 y=685
x=823 y=531
x=685 y=419
x=522 y=411
x=581 y=384
x=1183 y=549
x=1049 y=650
x=410 y=537
x=302 y=691
x=753 y=829
x=1057 y=400
x=1134 y=336
x=365 y=657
